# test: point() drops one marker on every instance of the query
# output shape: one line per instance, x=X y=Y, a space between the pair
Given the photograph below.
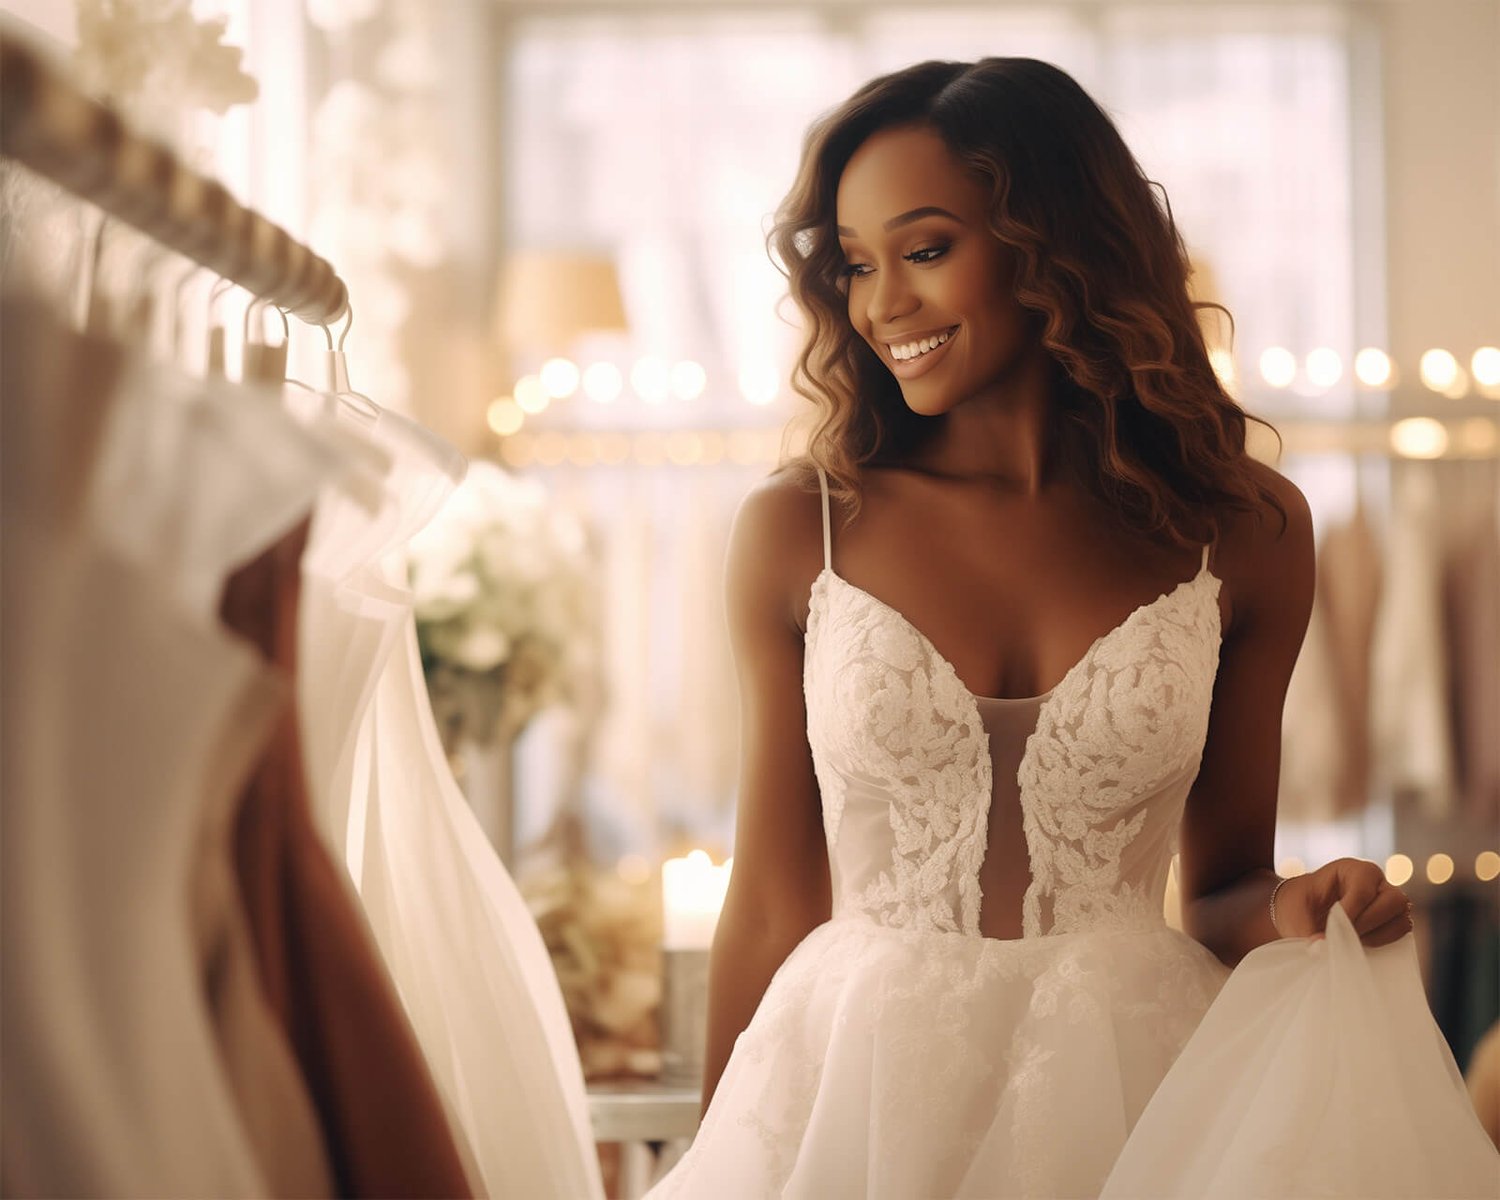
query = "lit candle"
x=692 y=891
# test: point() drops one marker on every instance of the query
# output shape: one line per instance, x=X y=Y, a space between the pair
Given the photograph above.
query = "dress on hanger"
x=387 y=1131
x=468 y=960
x=1314 y=756
x=1472 y=624
x=195 y=477
x=899 y=1052
x=125 y=708
x=1410 y=723
x=1349 y=577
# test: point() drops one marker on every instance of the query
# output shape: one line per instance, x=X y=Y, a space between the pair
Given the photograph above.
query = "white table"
x=655 y=1121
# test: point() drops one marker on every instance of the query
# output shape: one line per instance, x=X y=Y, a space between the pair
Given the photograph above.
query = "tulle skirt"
x=892 y=1064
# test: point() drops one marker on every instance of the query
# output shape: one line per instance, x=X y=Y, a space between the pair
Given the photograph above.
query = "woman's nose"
x=891 y=298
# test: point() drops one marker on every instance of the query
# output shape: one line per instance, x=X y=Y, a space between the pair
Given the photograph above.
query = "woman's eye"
x=926 y=255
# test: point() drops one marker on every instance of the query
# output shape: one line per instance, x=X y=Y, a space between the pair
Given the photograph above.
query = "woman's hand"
x=1379 y=911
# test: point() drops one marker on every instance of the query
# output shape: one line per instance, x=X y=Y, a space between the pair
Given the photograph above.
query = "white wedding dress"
x=463 y=949
x=898 y=1052
x=128 y=715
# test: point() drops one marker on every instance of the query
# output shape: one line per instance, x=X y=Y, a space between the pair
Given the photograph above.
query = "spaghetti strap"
x=1203 y=566
x=827 y=539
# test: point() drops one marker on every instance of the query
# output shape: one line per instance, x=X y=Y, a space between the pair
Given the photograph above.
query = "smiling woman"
x=997 y=200
x=943 y=967
x=933 y=275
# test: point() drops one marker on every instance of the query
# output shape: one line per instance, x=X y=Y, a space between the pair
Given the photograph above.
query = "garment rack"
x=50 y=125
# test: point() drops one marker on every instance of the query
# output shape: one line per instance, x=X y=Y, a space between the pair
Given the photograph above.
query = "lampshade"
x=548 y=298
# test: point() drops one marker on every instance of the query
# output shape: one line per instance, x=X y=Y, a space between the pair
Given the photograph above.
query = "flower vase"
x=486 y=772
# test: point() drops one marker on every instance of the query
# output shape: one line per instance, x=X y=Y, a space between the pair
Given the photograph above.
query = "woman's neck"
x=1012 y=438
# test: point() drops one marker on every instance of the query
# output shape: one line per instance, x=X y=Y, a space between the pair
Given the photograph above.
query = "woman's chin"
x=926 y=402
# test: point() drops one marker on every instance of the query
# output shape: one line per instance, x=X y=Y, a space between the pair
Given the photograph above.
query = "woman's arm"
x=1229 y=826
x=779 y=889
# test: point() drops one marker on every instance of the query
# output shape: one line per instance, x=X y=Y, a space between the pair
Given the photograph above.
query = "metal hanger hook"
x=214 y=293
x=152 y=255
x=178 y=306
x=255 y=302
x=262 y=304
x=348 y=304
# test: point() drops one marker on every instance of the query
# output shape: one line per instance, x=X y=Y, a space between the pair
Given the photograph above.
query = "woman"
x=1055 y=624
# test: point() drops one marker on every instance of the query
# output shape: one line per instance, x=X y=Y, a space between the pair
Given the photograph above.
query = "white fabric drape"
x=128 y=713
x=465 y=953
x=1317 y=1071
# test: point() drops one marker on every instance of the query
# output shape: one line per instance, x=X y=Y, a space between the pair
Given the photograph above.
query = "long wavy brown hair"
x=1099 y=262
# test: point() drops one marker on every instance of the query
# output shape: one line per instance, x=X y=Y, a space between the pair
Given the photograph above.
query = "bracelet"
x=1274 y=890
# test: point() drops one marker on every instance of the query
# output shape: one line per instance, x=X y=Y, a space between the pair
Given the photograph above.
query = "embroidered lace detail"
x=1128 y=719
x=883 y=704
x=1126 y=722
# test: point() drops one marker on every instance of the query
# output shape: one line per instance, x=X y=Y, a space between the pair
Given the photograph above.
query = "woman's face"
x=929 y=286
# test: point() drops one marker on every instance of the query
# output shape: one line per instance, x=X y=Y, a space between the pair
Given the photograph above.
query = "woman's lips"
x=913 y=367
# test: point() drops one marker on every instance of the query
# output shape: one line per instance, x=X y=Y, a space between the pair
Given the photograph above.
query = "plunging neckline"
x=1093 y=648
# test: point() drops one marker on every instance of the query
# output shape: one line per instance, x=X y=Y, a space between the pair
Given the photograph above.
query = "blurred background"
x=551 y=218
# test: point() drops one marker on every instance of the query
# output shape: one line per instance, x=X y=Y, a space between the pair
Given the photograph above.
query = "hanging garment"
x=899 y=1052
x=1314 y=755
x=1410 y=726
x=1349 y=590
x=242 y=472
x=262 y=479
x=385 y=1126
x=122 y=708
x=270 y=1091
x=1471 y=611
x=465 y=952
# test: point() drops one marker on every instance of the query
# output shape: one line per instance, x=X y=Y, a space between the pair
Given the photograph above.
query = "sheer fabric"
x=898 y=1051
x=466 y=955
x=1317 y=1072
x=125 y=709
x=386 y=1129
x=145 y=1026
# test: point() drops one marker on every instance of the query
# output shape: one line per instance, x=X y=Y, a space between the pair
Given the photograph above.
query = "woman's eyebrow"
x=906 y=218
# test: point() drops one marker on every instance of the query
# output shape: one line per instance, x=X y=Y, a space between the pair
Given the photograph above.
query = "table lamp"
x=547 y=299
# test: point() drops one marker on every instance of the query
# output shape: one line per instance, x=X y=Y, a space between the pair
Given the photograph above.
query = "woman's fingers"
x=1386 y=903
x=1393 y=930
x=1363 y=889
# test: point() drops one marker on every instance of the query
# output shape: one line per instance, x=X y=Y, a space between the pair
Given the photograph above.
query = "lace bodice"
x=903 y=760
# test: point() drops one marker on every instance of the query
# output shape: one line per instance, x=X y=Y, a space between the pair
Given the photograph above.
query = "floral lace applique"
x=881 y=704
x=1128 y=717
x=1112 y=733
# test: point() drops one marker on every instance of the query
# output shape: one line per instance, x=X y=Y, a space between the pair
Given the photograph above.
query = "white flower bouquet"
x=505 y=606
x=158 y=60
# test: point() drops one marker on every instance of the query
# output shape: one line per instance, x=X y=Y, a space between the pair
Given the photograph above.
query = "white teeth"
x=916 y=349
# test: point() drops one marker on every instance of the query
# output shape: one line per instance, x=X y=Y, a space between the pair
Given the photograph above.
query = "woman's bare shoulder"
x=783 y=499
x=776 y=540
x=1267 y=530
x=1265 y=557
